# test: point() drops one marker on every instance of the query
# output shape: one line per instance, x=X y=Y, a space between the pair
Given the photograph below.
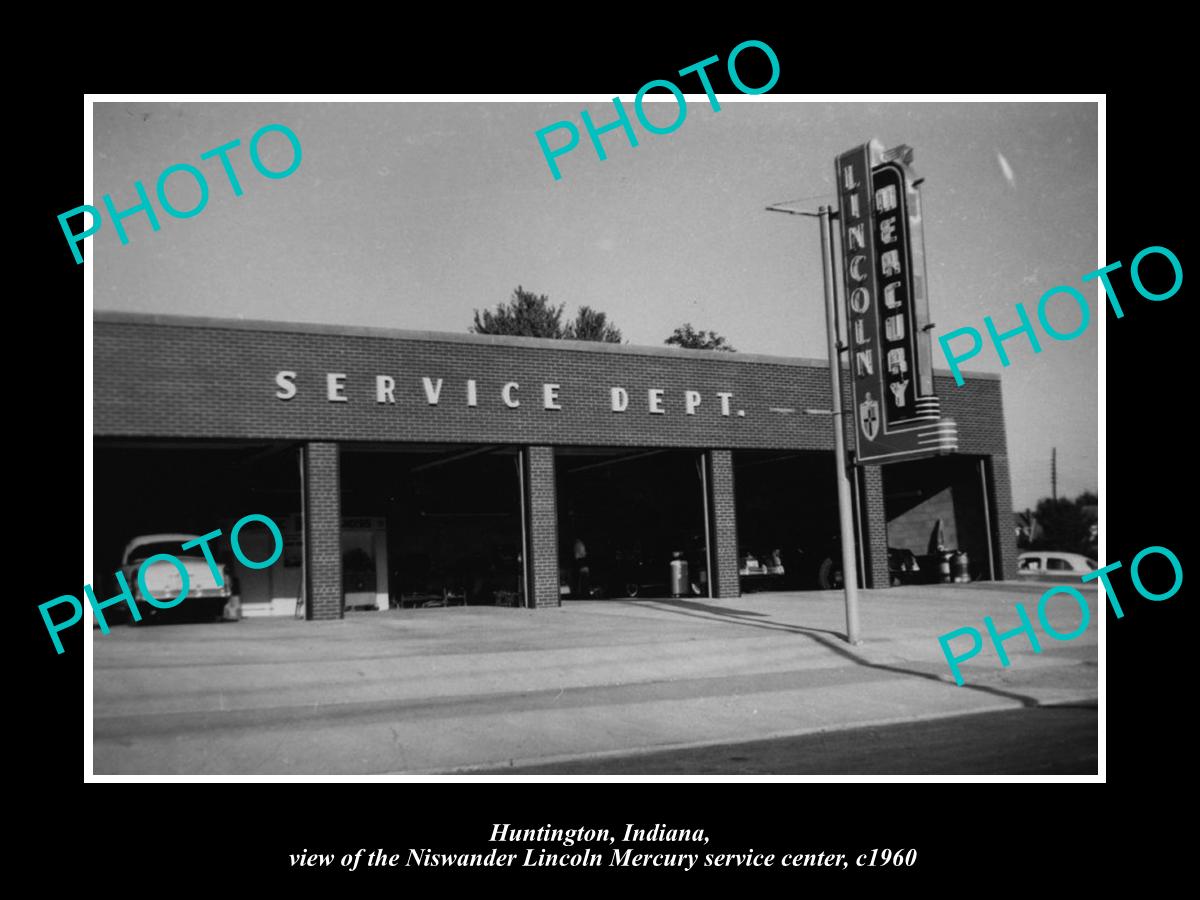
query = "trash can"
x=679 y=575
x=959 y=566
x=944 y=573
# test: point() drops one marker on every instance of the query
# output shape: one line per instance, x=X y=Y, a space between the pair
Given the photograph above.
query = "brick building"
x=406 y=467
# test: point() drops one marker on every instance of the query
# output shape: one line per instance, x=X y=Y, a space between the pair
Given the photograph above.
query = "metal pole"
x=856 y=490
x=845 y=514
x=708 y=554
x=987 y=517
x=302 y=603
x=526 y=601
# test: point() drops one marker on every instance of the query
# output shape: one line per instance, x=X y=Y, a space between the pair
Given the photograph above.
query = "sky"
x=413 y=215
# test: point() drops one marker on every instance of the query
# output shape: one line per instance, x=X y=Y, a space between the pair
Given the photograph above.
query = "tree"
x=526 y=313
x=687 y=336
x=1066 y=525
x=532 y=315
x=592 y=325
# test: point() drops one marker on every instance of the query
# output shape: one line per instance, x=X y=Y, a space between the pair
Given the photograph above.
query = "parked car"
x=163 y=581
x=1053 y=565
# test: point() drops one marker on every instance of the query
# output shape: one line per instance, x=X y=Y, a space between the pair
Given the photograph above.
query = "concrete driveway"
x=449 y=689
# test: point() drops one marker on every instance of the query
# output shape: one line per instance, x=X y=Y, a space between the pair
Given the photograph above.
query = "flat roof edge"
x=450 y=337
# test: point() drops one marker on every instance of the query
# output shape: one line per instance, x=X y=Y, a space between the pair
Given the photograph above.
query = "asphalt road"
x=1042 y=740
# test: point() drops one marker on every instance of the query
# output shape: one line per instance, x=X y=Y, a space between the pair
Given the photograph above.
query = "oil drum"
x=958 y=566
x=679 y=576
x=944 y=567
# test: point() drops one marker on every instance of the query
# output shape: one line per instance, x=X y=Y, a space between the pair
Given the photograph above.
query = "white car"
x=1051 y=565
x=163 y=580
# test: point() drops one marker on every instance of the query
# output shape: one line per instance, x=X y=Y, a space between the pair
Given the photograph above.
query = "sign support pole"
x=845 y=514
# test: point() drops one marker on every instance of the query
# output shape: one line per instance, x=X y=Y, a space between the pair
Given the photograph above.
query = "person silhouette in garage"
x=582 y=571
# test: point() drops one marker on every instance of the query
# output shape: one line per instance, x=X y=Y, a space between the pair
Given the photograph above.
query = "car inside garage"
x=171 y=488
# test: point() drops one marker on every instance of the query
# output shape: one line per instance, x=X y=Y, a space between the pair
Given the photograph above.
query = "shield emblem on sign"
x=868 y=417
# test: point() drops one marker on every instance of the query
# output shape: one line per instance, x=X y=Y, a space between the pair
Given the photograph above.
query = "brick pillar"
x=542 y=509
x=323 y=531
x=873 y=527
x=1000 y=505
x=722 y=513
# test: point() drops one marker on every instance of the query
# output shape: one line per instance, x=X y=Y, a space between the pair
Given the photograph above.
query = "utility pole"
x=1054 y=472
x=845 y=515
x=845 y=507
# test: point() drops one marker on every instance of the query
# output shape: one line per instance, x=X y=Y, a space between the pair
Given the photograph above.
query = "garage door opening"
x=147 y=489
x=632 y=523
x=787 y=519
x=942 y=501
x=432 y=526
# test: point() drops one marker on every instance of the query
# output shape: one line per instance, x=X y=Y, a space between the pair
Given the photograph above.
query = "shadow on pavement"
x=708 y=607
x=838 y=646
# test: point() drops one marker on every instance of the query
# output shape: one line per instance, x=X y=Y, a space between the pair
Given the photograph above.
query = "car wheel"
x=631 y=590
x=896 y=582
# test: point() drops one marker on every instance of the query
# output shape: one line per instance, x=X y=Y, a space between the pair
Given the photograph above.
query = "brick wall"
x=173 y=377
x=874 y=529
x=323 y=530
x=1000 y=499
x=723 y=523
x=543 y=525
x=978 y=409
x=164 y=379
